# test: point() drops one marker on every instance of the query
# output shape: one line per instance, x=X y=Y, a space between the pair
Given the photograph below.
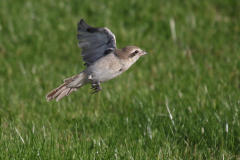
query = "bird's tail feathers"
x=64 y=89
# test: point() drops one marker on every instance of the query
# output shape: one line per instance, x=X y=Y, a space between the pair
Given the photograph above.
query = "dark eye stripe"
x=132 y=54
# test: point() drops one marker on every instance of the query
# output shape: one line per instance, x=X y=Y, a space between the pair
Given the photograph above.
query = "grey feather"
x=83 y=24
x=94 y=41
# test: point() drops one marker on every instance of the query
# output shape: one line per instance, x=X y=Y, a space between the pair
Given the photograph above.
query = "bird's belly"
x=103 y=76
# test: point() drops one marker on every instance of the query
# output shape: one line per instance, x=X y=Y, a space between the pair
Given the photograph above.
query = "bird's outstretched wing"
x=95 y=42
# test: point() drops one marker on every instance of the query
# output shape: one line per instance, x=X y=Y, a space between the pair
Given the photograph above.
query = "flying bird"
x=102 y=59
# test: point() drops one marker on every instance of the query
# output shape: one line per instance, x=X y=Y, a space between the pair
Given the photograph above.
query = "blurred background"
x=179 y=101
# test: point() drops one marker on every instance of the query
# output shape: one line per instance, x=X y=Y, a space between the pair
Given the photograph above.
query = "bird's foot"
x=96 y=87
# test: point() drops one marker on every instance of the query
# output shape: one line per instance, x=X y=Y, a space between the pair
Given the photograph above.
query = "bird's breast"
x=105 y=68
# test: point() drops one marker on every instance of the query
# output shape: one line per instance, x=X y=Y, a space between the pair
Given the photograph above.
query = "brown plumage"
x=62 y=90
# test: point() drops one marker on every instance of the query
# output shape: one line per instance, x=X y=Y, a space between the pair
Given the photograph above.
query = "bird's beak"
x=144 y=53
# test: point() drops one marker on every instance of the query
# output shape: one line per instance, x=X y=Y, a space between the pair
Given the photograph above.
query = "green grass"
x=181 y=101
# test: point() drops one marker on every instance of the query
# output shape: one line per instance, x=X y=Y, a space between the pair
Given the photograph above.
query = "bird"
x=102 y=59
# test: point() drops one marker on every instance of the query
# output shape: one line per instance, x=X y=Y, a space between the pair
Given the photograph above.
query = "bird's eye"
x=134 y=53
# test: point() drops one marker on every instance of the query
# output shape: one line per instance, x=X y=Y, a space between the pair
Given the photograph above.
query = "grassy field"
x=181 y=101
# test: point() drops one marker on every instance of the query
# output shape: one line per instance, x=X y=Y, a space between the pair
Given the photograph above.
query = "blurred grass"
x=181 y=101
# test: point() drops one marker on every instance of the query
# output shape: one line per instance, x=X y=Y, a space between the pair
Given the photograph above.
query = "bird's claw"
x=96 y=87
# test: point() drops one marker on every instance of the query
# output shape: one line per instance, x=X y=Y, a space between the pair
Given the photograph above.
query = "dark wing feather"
x=95 y=42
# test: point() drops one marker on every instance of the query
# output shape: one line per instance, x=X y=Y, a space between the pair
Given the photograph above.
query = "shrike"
x=103 y=60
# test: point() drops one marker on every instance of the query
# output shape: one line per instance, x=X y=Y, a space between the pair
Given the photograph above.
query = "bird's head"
x=130 y=54
x=133 y=51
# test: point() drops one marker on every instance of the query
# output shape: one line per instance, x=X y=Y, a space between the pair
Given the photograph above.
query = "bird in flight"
x=102 y=59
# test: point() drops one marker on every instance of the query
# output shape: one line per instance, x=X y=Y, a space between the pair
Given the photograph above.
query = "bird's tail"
x=63 y=90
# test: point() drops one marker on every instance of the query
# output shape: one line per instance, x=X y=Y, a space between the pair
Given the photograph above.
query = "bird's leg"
x=96 y=87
